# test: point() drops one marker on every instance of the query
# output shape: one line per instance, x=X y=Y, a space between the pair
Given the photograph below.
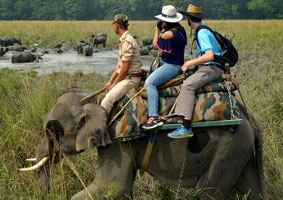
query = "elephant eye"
x=82 y=122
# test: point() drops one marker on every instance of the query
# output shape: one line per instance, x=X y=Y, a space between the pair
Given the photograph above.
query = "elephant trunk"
x=46 y=153
x=43 y=174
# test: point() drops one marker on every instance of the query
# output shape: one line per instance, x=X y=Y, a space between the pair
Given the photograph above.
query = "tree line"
x=135 y=9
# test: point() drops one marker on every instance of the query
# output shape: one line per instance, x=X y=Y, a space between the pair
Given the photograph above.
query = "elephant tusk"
x=38 y=165
x=31 y=159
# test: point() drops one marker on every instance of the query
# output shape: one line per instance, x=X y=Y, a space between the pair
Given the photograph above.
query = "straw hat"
x=194 y=11
x=169 y=14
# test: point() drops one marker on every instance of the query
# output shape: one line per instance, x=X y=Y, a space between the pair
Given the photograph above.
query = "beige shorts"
x=118 y=92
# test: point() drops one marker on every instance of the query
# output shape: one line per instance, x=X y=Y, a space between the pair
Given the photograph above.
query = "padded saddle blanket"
x=212 y=103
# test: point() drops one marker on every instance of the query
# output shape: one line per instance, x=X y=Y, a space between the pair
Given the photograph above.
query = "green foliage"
x=108 y=191
x=266 y=8
x=135 y=9
x=74 y=8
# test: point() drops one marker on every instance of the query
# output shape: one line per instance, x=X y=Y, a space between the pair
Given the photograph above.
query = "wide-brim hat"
x=194 y=11
x=169 y=14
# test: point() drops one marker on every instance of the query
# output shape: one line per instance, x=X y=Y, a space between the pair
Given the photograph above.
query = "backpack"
x=228 y=53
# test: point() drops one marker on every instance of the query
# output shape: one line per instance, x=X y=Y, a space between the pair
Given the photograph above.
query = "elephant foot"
x=85 y=194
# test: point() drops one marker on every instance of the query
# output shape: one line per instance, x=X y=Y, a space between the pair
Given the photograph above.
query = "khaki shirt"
x=129 y=51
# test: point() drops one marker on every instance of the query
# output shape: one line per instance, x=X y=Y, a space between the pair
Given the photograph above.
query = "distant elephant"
x=154 y=53
x=25 y=57
x=147 y=41
x=8 y=41
x=80 y=45
x=84 y=48
x=3 y=50
x=135 y=37
x=145 y=50
x=215 y=160
x=17 y=48
x=87 y=50
x=99 y=38
x=60 y=47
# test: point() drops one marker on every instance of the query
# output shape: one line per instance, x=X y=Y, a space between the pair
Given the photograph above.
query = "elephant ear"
x=92 y=128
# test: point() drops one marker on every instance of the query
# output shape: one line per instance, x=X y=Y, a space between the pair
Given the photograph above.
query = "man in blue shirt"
x=208 y=71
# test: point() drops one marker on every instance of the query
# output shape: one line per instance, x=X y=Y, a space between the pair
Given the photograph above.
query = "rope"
x=138 y=93
x=174 y=105
x=124 y=107
x=132 y=154
x=231 y=77
x=177 y=99
x=180 y=179
x=92 y=95
x=166 y=109
x=250 y=118
x=181 y=76
x=228 y=84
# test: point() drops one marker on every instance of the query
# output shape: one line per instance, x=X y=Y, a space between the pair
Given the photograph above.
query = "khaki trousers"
x=205 y=74
x=118 y=92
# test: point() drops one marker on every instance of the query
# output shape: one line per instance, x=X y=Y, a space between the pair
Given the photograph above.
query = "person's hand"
x=110 y=87
x=107 y=85
x=159 y=25
x=185 y=67
x=157 y=29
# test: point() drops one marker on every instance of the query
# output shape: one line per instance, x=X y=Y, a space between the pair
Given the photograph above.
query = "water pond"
x=103 y=62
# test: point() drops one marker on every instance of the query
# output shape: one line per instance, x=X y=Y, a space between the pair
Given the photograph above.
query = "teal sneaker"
x=181 y=132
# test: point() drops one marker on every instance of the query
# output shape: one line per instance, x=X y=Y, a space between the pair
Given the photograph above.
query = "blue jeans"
x=161 y=75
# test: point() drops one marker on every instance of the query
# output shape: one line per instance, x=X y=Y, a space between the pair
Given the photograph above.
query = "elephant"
x=9 y=40
x=25 y=57
x=87 y=50
x=135 y=37
x=212 y=162
x=99 y=38
x=17 y=48
x=84 y=48
x=145 y=50
x=147 y=41
x=3 y=50
x=60 y=47
x=154 y=53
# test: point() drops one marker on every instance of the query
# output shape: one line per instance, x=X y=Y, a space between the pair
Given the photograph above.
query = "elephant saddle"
x=212 y=103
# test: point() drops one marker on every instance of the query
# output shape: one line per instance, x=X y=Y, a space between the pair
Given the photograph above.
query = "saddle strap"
x=148 y=151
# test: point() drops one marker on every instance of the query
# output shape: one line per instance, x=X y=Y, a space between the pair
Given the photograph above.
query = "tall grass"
x=250 y=34
x=25 y=99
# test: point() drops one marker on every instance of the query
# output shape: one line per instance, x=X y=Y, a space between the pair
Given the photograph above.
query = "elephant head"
x=69 y=128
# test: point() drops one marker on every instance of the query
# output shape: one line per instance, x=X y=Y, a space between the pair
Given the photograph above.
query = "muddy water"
x=101 y=62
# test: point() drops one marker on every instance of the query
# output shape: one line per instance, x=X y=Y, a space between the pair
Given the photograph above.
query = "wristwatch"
x=111 y=81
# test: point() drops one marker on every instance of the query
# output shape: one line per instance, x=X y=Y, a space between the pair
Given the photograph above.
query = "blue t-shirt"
x=173 y=49
x=207 y=41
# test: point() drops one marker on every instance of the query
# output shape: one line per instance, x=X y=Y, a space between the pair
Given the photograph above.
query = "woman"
x=172 y=45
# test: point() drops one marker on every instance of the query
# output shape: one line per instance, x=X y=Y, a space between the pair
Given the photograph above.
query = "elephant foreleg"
x=115 y=174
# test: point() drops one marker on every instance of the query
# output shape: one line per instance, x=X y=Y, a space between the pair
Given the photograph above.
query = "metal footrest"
x=232 y=122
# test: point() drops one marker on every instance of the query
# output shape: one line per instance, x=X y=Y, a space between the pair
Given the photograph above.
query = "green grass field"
x=25 y=99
